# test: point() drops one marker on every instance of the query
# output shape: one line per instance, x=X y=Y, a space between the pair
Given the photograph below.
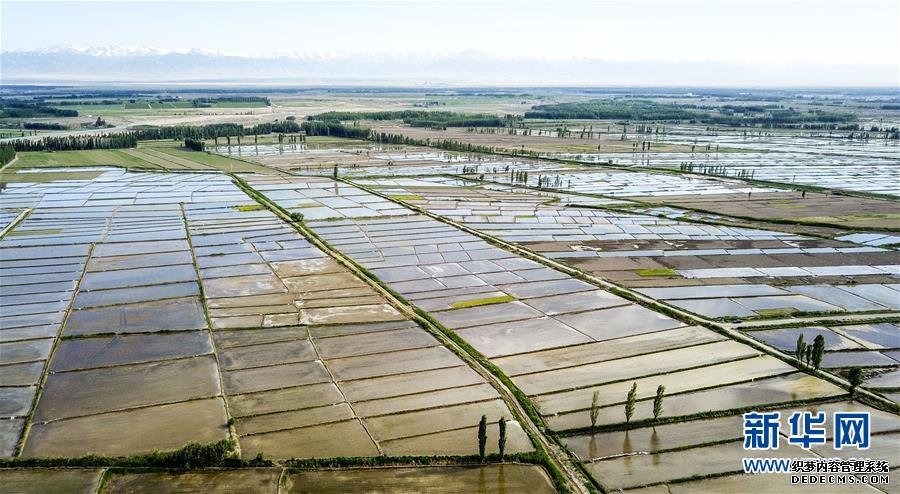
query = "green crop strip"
x=656 y=272
x=482 y=301
x=249 y=207
x=22 y=233
x=407 y=197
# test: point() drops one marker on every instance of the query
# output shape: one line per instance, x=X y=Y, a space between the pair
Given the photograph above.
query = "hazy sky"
x=851 y=32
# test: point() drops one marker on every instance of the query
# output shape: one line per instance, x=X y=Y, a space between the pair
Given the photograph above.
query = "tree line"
x=645 y=110
x=208 y=102
x=421 y=118
x=130 y=138
x=611 y=109
x=76 y=143
x=448 y=145
x=334 y=129
x=42 y=126
x=14 y=108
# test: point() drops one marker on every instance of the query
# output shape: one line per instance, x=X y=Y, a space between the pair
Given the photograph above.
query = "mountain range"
x=148 y=65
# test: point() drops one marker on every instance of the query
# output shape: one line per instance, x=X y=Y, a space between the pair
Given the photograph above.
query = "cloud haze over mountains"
x=139 y=64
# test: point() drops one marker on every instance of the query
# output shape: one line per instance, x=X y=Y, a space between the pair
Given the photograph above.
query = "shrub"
x=193 y=144
x=192 y=456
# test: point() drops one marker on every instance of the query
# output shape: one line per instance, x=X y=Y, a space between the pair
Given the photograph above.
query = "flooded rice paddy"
x=487 y=479
x=662 y=454
x=497 y=302
x=559 y=338
x=876 y=174
x=715 y=271
x=141 y=302
x=218 y=310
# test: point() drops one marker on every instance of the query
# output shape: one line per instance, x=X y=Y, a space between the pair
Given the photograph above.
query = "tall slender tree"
x=629 y=403
x=801 y=348
x=595 y=408
x=501 y=442
x=818 y=351
x=482 y=437
x=658 y=402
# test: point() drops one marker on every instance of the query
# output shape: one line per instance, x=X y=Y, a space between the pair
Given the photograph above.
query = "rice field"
x=491 y=478
x=217 y=321
x=714 y=271
x=378 y=323
x=559 y=338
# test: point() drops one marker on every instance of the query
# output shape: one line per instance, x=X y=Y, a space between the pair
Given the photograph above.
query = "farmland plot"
x=143 y=359
x=664 y=453
x=873 y=347
x=175 y=303
x=222 y=321
x=876 y=174
x=609 y=243
x=486 y=478
x=498 y=303
x=711 y=270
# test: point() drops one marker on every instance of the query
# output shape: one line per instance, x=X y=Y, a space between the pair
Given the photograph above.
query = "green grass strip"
x=23 y=233
x=656 y=272
x=249 y=207
x=502 y=299
x=407 y=197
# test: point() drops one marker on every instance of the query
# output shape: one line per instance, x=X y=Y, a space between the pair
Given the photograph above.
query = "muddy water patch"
x=130 y=432
x=87 y=353
x=163 y=315
x=304 y=396
x=97 y=298
x=69 y=394
x=492 y=478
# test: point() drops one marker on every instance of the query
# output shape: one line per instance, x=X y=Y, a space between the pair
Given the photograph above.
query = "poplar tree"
x=501 y=443
x=595 y=408
x=658 y=402
x=818 y=351
x=629 y=403
x=482 y=437
x=801 y=348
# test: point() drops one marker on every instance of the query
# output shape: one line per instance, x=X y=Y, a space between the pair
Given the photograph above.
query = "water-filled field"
x=145 y=301
x=218 y=320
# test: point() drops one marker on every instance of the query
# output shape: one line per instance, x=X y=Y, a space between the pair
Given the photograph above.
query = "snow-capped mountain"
x=110 y=51
x=147 y=64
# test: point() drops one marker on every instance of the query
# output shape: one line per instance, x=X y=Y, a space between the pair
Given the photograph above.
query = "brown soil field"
x=130 y=432
x=50 y=481
x=842 y=211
